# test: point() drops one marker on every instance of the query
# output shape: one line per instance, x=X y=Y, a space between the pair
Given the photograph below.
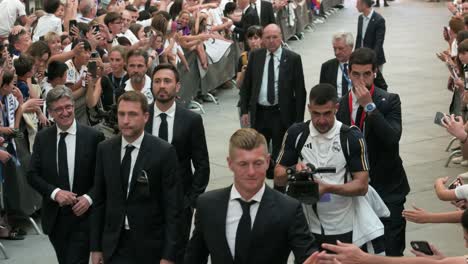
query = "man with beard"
x=326 y=142
x=184 y=130
x=137 y=61
x=378 y=114
x=126 y=22
x=137 y=195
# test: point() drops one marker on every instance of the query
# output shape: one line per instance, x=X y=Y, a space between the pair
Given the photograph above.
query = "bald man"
x=273 y=93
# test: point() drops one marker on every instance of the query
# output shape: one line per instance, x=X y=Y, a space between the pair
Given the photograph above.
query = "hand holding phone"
x=438 y=118
x=457 y=182
x=422 y=246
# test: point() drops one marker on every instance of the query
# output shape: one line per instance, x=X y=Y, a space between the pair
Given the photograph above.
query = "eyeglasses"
x=358 y=75
x=61 y=110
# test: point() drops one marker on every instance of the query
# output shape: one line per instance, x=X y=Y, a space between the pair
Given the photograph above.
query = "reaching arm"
x=421 y=216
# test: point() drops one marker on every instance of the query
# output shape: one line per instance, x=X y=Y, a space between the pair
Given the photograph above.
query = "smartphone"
x=438 y=118
x=457 y=182
x=70 y=25
x=94 y=55
x=96 y=29
x=92 y=68
x=422 y=246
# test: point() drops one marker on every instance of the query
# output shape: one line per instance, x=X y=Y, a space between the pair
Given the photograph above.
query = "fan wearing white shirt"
x=137 y=61
x=49 y=22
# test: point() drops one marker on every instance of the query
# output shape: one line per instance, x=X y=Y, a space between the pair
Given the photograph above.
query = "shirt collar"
x=136 y=143
x=277 y=52
x=329 y=135
x=257 y=197
x=71 y=130
x=170 y=112
x=354 y=97
x=370 y=14
x=129 y=87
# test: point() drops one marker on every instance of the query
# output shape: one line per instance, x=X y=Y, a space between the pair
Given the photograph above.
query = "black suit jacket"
x=279 y=228
x=153 y=206
x=375 y=36
x=43 y=175
x=190 y=142
x=329 y=72
x=267 y=16
x=382 y=131
x=291 y=87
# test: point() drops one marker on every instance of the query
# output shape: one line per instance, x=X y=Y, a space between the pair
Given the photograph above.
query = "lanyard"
x=363 y=114
x=120 y=82
x=345 y=74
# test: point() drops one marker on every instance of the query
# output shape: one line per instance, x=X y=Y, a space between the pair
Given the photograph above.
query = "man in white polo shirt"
x=136 y=67
x=325 y=142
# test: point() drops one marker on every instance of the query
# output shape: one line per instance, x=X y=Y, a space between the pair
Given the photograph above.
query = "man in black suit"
x=62 y=171
x=336 y=70
x=378 y=114
x=248 y=222
x=137 y=207
x=254 y=13
x=184 y=130
x=371 y=30
x=273 y=93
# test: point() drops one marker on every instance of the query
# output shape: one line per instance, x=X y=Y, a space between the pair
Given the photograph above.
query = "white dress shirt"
x=134 y=156
x=355 y=107
x=258 y=6
x=263 y=96
x=146 y=91
x=170 y=121
x=339 y=77
x=365 y=23
x=70 y=142
x=234 y=214
x=10 y=10
x=47 y=23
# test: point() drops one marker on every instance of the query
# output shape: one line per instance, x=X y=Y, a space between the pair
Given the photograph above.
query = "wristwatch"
x=370 y=107
x=110 y=41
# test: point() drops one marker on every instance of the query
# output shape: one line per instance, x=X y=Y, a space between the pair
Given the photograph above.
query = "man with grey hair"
x=335 y=71
x=88 y=9
x=65 y=185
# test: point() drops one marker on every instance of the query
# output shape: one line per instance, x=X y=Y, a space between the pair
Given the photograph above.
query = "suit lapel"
x=219 y=216
x=344 y=115
x=117 y=159
x=138 y=164
x=264 y=216
x=282 y=71
x=258 y=81
x=52 y=139
x=78 y=154
x=178 y=123
x=370 y=25
x=360 y=21
x=334 y=76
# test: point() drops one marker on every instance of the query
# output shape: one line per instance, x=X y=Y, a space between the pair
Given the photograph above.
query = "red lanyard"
x=363 y=114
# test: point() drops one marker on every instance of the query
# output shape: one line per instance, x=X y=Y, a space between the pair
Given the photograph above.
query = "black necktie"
x=256 y=19
x=271 y=80
x=243 y=234
x=125 y=166
x=163 y=127
x=62 y=161
x=344 y=80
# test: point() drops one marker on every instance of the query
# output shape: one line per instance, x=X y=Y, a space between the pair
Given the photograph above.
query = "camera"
x=109 y=117
x=301 y=184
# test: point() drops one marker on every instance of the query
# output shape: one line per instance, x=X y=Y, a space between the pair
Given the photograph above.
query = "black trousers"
x=395 y=228
x=186 y=224
x=268 y=122
x=70 y=238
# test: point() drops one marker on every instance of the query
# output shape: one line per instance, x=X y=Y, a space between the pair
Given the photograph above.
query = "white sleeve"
x=20 y=8
x=462 y=192
x=145 y=23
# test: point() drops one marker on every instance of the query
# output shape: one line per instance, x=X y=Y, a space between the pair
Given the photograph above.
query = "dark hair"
x=464 y=220
x=159 y=23
x=137 y=53
x=134 y=96
x=368 y=3
x=51 y=6
x=165 y=14
x=462 y=35
x=7 y=77
x=111 y=17
x=229 y=8
x=254 y=31
x=56 y=69
x=167 y=66
x=23 y=64
x=323 y=93
x=13 y=39
x=64 y=37
x=124 y=41
x=152 y=9
x=363 y=56
x=456 y=24
x=176 y=8
x=82 y=27
x=131 y=8
x=38 y=49
x=143 y=15
x=86 y=45
x=134 y=28
x=100 y=12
